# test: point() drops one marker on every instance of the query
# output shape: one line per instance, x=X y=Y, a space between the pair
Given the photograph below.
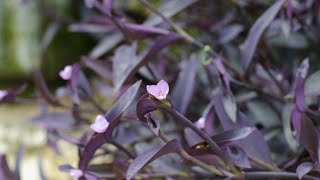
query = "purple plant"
x=241 y=104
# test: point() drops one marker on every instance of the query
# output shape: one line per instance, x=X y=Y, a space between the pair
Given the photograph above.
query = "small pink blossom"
x=3 y=94
x=160 y=91
x=66 y=73
x=200 y=123
x=100 y=125
x=76 y=174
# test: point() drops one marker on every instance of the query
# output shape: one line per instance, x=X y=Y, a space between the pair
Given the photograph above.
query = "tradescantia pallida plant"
x=196 y=97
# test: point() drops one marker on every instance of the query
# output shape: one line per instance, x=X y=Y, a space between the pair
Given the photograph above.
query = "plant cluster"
x=199 y=90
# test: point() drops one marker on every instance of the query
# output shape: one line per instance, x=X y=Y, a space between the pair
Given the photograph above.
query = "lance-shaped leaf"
x=98 y=66
x=123 y=102
x=106 y=44
x=228 y=136
x=54 y=120
x=43 y=89
x=184 y=87
x=249 y=144
x=254 y=140
x=309 y=137
x=113 y=114
x=299 y=97
x=299 y=84
x=286 y=124
x=312 y=84
x=73 y=83
x=250 y=44
x=138 y=32
x=191 y=137
x=151 y=155
x=238 y=156
x=169 y=9
x=127 y=63
x=219 y=107
x=304 y=168
x=5 y=172
x=95 y=142
x=233 y=135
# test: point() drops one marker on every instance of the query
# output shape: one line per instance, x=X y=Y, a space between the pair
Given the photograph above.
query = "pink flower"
x=66 y=73
x=200 y=123
x=76 y=174
x=3 y=94
x=100 y=125
x=160 y=91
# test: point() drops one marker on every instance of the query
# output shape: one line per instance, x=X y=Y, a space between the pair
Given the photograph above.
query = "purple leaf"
x=250 y=44
x=299 y=96
x=222 y=70
x=304 y=168
x=137 y=31
x=191 y=137
x=43 y=89
x=233 y=135
x=153 y=124
x=54 y=120
x=224 y=137
x=98 y=66
x=228 y=33
x=249 y=144
x=286 y=123
x=222 y=114
x=151 y=155
x=146 y=105
x=184 y=87
x=123 y=102
x=312 y=84
x=299 y=85
x=5 y=172
x=97 y=140
x=84 y=86
x=238 y=156
x=107 y=6
x=126 y=63
x=254 y=140
x=169 y=9
x=309 y=137
x=106 y=44
x=73 y=83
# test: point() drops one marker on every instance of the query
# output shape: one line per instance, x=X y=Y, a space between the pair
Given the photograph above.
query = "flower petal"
x=153 y=90
x=76 y=174
x=200 y=123
x=100 y=125
x=66 y=73
x=3 y=93
x=163 y=87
